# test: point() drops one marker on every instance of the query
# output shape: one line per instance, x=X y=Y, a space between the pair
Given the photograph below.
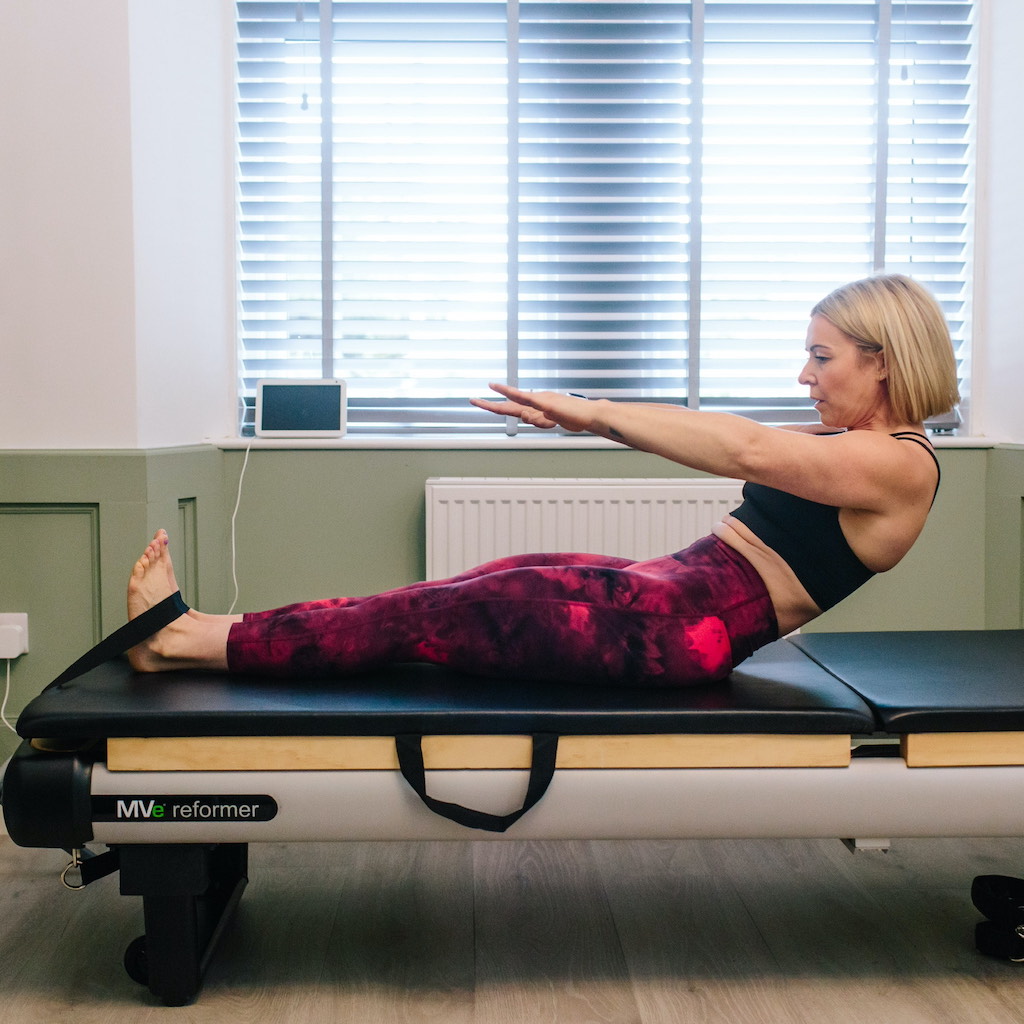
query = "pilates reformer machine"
x=861 y=736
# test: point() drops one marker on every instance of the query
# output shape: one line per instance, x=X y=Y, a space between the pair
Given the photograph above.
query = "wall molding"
x=91 y=512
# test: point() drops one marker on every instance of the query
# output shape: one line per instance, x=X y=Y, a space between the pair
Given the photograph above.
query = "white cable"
x=7 y=694
x=234 y=515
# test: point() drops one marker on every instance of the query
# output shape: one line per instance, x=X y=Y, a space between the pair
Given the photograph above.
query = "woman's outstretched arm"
x=714 y=442
x=862 y=469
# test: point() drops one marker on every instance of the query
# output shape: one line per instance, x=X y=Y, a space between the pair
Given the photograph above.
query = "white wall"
x=182 y=160
x=115 y=223
x=66 y=278
x=998 y=372
x=116 y=303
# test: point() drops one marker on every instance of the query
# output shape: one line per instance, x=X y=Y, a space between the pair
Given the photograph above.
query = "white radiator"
x=471 y=520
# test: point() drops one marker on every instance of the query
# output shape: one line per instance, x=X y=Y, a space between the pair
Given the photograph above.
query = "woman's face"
x=846 y=383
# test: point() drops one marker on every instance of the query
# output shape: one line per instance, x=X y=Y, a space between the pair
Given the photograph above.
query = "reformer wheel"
x=136 y=962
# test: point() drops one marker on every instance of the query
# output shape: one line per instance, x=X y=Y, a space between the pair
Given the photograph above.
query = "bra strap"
x=922 y=442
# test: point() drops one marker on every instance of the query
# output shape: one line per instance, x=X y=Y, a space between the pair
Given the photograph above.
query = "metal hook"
x=75 y=865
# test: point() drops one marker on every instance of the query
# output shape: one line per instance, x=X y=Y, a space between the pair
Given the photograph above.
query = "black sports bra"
x=808 y=537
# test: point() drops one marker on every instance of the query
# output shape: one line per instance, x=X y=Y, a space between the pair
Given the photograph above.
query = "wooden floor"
x=794 y=932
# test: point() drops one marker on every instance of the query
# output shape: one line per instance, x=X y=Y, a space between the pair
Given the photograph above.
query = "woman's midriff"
x=793 y=605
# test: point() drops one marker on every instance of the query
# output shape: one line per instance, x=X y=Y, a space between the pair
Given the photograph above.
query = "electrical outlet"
x=13 y=634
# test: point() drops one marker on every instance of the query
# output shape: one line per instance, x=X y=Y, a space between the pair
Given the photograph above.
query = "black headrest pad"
x=930 y=681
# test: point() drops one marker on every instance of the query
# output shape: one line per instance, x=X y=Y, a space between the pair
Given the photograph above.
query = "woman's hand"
x=544 y=409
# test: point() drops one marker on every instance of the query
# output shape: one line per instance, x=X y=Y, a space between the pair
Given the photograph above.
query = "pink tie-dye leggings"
x=676 y=620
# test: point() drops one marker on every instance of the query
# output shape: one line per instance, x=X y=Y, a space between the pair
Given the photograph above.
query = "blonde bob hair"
x=894 y=315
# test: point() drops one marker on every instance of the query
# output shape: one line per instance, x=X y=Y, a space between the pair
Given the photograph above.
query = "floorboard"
x=600 y=932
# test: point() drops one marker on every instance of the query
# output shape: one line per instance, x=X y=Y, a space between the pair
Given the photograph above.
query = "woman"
x=825 y=508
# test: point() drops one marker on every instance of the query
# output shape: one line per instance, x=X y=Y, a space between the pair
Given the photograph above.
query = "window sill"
x=469 y=442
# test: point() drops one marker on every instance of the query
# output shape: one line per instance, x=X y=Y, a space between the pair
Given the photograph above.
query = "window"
x=633 y=200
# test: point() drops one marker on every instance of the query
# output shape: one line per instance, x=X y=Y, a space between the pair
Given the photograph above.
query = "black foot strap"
x=542 y=769
x=142 y=627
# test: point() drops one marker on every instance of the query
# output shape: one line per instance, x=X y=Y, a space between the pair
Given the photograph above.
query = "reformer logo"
x=184 y=808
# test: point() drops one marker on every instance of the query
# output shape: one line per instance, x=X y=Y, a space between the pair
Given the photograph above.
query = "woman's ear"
x=879 y=358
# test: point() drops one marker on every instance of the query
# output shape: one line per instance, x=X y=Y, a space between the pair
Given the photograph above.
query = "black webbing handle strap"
x=133 y=632
x=542 y=770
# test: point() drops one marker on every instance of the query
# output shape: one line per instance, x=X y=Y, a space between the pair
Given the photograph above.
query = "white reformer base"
x=874 y=796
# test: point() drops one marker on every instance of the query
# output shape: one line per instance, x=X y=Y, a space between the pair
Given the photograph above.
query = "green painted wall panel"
x=1004 y=505
x=324 y=523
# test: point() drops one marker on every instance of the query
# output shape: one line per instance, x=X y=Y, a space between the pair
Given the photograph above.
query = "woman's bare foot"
x=152 y=577
x=190 y=641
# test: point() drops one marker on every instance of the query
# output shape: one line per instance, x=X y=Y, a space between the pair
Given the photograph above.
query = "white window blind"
x=629 y=200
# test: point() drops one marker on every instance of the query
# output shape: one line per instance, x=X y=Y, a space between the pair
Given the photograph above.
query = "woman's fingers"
x=523 y=398
x=544 y=409
x=499 y=408
x=535 y=417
